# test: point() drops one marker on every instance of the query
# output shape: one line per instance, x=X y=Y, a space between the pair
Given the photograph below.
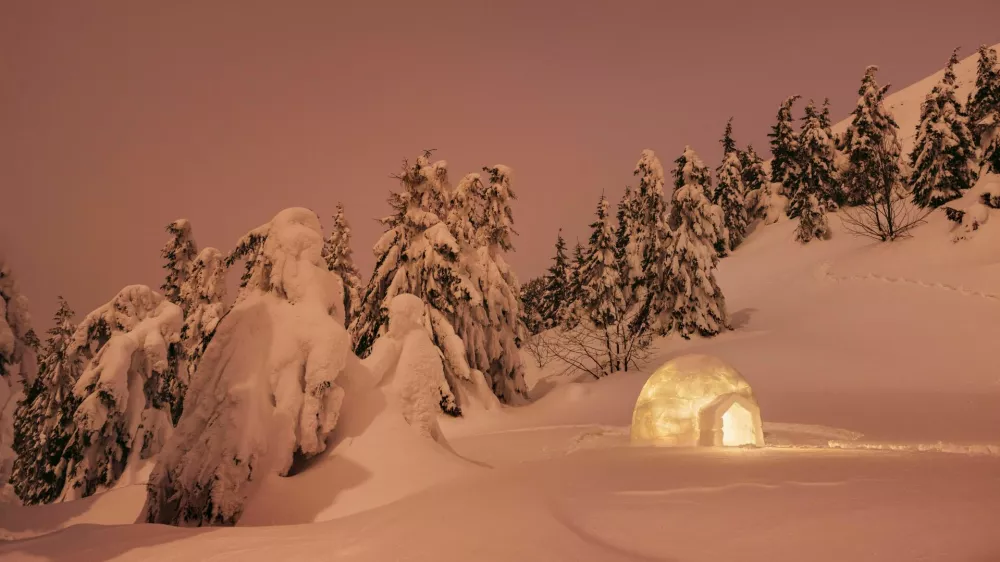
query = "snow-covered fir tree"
x=124 y=390
x=18 y=347
x=691 y=300
x=756 y=184
x=44 y=420
x=574 y=311
x=837 y=193
x=812 y=219
x=340 y=260
x=784 y=148
x=440 y=246
x=646 y=233
x=870 y=143
x=532 y=294
x=204 y=291
x=268 y=387
x=813 y=176
x=729 y=190
x=500 y=290
x=626 y=215
x=556 y=296
x=943 y=161
x=690 y=170
x=178 y=254
x=600 y=285
x=984 y=108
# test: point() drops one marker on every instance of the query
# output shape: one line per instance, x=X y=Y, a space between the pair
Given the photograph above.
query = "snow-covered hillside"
x=905 y=103
x=876 y=373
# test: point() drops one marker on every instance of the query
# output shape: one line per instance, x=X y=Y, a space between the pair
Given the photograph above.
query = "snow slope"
x=875 y=369
x=905 y=103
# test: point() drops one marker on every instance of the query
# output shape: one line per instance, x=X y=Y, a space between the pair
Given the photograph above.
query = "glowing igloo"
x=696 y=400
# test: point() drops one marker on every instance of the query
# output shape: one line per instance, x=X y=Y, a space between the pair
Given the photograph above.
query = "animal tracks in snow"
x=823 y=273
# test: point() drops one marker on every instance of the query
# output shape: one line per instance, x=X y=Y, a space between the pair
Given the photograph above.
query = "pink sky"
x=117 y=117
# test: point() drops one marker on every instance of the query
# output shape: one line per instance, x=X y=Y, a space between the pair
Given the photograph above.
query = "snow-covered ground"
x=876 y=371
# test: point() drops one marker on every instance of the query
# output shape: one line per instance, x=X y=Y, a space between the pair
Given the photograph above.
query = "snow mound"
x=388 y=443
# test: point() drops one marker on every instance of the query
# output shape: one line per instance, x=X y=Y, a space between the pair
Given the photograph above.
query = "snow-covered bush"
x=408 y=364
x=266 y=388
x=124 y=390
x=17 y=364
x=812 y=220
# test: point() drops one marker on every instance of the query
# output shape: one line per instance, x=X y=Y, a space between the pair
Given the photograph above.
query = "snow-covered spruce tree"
x=813 y=175
x=693 y=302
x=691 y=170
x=601 y=296
x=500 y=289
x=812 y=219
x=870 y=144
x=602 y=302
x=756 y=183
x=574 y=309
x=645 y=232
x=44 y=420
x=18 y=347
x=627 y=215
x=204 y=291
x=729 y=190
x=837 y=193
x=340 y=260
x=943 y=161
x=555 y=299
x=531 y=305
x=267 y=387
x=436 y=247
x=984 y=108
x=178 y=253
x=124 y=389
x=784 y=148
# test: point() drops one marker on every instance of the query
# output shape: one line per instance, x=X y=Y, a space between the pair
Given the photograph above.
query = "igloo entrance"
x=697 y=400
x=737 y=426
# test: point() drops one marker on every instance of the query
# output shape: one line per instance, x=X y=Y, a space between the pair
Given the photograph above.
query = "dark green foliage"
x=784 y=148
x=942 y=161
x=43 y=420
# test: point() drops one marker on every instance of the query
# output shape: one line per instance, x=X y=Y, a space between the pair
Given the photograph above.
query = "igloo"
x=696 y=400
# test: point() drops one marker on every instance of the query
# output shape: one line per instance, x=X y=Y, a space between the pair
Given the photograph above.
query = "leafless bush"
x=887 y=212
x=598 y=351
x=538 y=348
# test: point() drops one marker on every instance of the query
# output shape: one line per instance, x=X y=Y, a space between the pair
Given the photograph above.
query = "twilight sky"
x=117 y=116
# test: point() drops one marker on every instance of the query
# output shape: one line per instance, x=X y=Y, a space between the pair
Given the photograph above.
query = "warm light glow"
x=696 y=400
x=737 y=427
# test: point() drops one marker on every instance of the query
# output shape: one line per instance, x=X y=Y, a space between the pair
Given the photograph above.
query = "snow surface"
x=875 y=369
